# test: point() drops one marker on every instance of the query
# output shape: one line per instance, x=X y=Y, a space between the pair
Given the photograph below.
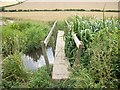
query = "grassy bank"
x=23 y=36
x=18 y=38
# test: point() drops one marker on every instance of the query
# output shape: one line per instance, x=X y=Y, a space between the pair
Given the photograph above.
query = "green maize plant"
x=100 y=53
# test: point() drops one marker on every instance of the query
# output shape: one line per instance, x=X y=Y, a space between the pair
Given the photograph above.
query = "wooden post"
x=77 y=62
x=55 y=31
x=45 y=56
x=79 y=46
x=53 y=44
x=55 y=34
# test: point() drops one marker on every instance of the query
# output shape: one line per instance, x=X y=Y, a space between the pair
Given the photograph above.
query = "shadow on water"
x=34 y=60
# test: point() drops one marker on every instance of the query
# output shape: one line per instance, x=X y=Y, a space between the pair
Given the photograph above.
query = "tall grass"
x=104 y=58
x=23 y=36
x=13 y=72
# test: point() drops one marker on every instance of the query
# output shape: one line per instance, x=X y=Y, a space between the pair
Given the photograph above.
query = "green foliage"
x=23 y=36
x=0 y=40
x=70 y=47
x=2 y=9
x=13 y=71
x=40 y=79
x=80 y=78
x=100 y=65
x=61 y=25
x=100 y=52
x=75 y=25
x=104 y=57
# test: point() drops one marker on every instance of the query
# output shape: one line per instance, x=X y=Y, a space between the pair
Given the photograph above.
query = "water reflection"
x=35 y=55
x=35 y=60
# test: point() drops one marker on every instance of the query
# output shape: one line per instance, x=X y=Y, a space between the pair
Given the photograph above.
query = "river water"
x=35 y=60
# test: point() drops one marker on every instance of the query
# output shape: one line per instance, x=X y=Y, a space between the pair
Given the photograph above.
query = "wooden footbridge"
x=61 y=63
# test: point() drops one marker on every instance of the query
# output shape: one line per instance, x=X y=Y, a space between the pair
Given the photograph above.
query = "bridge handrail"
x=47 y=39
x=76 y=40
x=78 y=43
x=44 y=44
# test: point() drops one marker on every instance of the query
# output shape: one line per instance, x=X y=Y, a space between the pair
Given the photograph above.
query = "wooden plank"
x=61 y=63
x=77 y=42
x=50 y=34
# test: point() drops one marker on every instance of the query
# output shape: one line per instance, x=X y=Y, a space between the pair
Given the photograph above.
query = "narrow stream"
x=35 y=60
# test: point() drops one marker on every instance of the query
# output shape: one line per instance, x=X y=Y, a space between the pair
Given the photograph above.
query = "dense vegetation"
x=100 y=53
x=99 y=62
x=17 y=38
x=23 y=36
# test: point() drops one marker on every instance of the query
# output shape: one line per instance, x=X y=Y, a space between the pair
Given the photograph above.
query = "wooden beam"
x=50 y=34
x=77 y=42
x=61 y=64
